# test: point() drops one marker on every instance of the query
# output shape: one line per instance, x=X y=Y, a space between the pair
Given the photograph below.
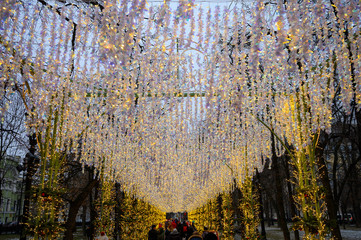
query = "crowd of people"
x=177 y=230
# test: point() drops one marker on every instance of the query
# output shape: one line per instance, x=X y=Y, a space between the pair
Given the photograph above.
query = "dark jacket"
x=152 y=234
x=210 y=236
x=166 y=234
x=205 y=232
x=190 y=231
x=161 y=234
x=174 y=235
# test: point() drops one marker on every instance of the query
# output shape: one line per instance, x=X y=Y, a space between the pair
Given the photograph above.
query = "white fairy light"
x=153 y=92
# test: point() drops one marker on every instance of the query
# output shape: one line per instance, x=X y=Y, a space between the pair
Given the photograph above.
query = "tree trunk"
x=92 y=215
x=74 y=209
x=355 y=200
x=235 y=202
x=344 y=211
x=117 y=211
x=31 y=166
x=267 y=211
x=357 y=210
x=93 y=211
x=271 y=202
x=1 y=183
x=83 y=219
x=279 y=193
x=290 y=194
x=261 y=217
x=271 y=211
x=323 y=176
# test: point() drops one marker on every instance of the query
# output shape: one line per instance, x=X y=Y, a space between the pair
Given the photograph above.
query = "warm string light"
x=169 y=98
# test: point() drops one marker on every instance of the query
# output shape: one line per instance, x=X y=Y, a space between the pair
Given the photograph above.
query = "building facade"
x=11 y=187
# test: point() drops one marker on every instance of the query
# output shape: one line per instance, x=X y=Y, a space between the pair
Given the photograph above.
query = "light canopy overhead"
x=172 y=99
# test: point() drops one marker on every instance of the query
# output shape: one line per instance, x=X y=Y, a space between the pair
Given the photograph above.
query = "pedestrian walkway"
x=275 y=233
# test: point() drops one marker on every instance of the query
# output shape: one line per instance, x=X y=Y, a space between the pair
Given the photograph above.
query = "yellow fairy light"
x=168 y=106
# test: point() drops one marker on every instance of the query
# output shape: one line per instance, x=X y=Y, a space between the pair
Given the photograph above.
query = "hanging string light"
x=175 y=97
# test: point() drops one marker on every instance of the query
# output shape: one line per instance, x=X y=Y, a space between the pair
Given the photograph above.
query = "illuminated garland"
x=182 y=97
x=249 y=207
x=227 y=216
x=105 y=208
x=137 y=217
x=127 y=222
x=45 y=217
x=217 y=215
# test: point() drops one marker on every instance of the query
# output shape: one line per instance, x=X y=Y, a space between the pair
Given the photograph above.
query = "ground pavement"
x=274 y=233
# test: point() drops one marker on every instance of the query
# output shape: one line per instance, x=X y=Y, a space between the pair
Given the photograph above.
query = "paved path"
x=274 y=233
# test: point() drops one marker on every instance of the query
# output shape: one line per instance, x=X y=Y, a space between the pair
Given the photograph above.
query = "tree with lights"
x=227 y=217
x=249 y=206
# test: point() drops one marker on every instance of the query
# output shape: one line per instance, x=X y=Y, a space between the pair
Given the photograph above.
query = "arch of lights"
x=169 y=99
